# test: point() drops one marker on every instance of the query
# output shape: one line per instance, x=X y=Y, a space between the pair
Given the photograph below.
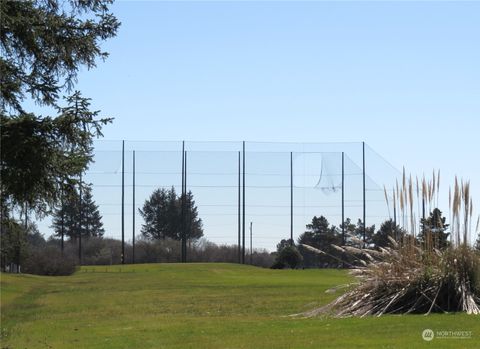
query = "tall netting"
x=282 y=180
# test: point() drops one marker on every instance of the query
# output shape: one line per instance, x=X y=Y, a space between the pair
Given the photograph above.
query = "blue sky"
x=402 y=76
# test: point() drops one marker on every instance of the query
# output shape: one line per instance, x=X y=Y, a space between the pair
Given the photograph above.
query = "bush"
x=289 y=256
x=408 y=279
x=48 y=261
x=278 y=265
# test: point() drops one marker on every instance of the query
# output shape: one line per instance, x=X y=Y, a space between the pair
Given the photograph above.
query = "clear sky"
x=402 y=76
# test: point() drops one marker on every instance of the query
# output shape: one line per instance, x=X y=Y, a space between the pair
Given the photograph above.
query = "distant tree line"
x=160 y=236
x=323 y=236
x=44 y=257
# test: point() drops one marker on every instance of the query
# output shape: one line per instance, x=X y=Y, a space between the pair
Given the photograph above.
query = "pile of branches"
x=406 y=278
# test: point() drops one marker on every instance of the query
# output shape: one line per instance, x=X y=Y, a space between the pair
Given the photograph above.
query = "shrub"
x=289 y=256
x=415 y=276
x=48 y=261
x=409 y=279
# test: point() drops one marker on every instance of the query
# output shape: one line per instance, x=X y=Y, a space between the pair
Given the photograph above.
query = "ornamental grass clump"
x=414 y=275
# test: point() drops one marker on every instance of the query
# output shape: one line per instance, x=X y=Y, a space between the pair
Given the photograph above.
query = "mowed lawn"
x=201 y=306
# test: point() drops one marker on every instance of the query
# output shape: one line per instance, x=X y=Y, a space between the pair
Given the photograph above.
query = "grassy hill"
x=200 y=306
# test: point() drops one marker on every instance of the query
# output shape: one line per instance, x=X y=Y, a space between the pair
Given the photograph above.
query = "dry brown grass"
x=408 y=279
x=411 y=276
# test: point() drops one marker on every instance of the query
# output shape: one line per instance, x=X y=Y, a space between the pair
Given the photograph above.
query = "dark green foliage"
x=155 y=213
x=193 y=223
x=13 y=244
x=358 y=234
x=350 y=229
x=18 y=243
x=320 y=235
x=434 y=231
x=388 y=229
x=284 y=243
x=34 y=238
x=41 y=157
x=88 y=222
x=162 y=214
x=91 y=219
x=288 y=257
x=323 y=236
x=44 y=43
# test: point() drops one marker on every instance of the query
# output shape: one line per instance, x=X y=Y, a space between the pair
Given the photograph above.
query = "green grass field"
x=201 y=306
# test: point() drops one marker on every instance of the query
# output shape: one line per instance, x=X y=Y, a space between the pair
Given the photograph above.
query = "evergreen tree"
x=162 y=214
x=173 y=216
x=320 y=235
x=88 y=222
x=194 y=224
x=287 y=256
x=44 y=44
x=284 y=243
x=354 y=233
x=388 y=229
x=358 y=233
x=349 y=230
x=434 y=230
x=13 y=242
x=17 y=241
x=92 y=224
x=65 y=217
x=159 y=214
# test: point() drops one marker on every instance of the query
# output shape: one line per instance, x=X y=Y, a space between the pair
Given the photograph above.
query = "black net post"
x=80 y=223
x=364 y=197
x=291 y=198
x=133 y=208
x=243 y=204
x=343 y=198
x=239 y=211
x=123 y=202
